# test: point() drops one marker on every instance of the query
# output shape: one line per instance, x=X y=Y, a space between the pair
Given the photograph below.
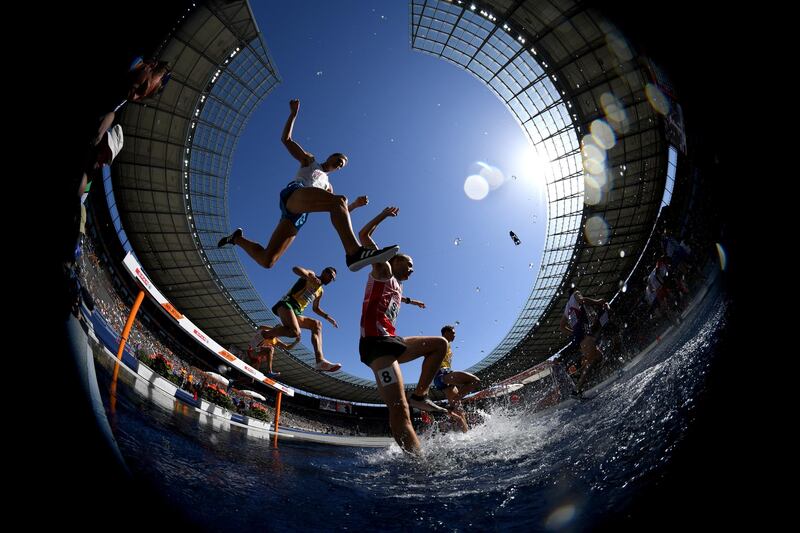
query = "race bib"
x=386 y=376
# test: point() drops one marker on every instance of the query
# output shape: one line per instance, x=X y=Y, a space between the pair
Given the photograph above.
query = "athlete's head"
x=449 y=332
x=334 y=162
x=402 y=266
x=328 y=275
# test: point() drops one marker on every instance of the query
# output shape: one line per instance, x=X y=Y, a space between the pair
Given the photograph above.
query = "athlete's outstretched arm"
x=418 y=303
x=361 y=201
x=365 y=235
x=295 y=149
x=322 y=313
x=380 y=271
x=305 y=273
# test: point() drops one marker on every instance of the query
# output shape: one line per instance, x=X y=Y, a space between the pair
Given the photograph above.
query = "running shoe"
x=229 y=239
x=327 y=366
x=425 y=404
x=366 y=256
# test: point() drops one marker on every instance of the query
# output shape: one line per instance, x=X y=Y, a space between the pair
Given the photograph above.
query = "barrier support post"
x=277 y=417
x=126 y=331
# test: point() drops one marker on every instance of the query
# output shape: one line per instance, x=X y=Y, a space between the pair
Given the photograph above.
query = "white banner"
x=187 y=325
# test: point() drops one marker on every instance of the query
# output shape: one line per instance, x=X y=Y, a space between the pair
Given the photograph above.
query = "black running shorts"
x=370 y=348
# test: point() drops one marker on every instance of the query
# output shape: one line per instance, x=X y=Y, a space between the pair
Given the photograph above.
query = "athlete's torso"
x=380 y=308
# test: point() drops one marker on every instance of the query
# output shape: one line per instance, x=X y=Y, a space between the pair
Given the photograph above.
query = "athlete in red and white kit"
x=382 y=350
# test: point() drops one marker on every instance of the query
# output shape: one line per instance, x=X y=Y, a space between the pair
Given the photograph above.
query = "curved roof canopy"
x=571 y=81
x=580 y=95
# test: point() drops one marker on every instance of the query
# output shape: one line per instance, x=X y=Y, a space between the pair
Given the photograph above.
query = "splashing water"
x=602 y=446
x=561 y=467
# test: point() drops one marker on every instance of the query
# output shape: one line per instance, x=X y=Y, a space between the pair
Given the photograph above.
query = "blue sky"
x=414 y=127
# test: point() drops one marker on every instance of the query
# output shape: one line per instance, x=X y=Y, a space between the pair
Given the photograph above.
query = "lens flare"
x=592 y=192
x=593 y=156
x=619 y=46
x=476 y=187
x=493 y=175
x=616 y=116
x=657 y=99
x=723 y=257
x=602 y=134
x=560 y=517
x=596 y=231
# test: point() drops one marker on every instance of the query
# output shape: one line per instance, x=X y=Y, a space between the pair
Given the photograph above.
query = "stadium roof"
x=589 y=107
x=584 y=99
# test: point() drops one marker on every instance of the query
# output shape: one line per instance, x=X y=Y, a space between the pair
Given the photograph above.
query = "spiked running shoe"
x=423 y=403
x=229 y=239
x=366 y=256
x=327 y=366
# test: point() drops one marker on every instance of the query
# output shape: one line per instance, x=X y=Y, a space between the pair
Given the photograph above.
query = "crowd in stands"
x=657 y=293
x=156 y=354
x=89 y=274
x=659 y=289
x=675 y=265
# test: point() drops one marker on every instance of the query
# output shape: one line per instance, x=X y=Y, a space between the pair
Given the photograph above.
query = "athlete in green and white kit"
x=307 y=289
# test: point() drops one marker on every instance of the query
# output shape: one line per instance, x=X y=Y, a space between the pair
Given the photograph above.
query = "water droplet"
x=458 y=322
x=319 y=73
x=622 y=253
x=457 y=241
x=477 y=289
x=530 y=266
x=513 y=176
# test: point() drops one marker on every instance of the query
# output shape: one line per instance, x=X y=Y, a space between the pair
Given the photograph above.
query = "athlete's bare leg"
x=433 y=349
x=393 y=394
x=454 y=396
x=290 y=327
x=315 y=326
x=282 y=237
x=591 y=356
x=314 y=200
x=465 y=381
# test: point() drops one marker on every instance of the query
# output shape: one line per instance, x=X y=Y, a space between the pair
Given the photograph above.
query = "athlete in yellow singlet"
x=455 y=384
x=308 y=289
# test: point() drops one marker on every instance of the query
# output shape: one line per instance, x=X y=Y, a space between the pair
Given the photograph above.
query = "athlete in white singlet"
x=310 y=192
